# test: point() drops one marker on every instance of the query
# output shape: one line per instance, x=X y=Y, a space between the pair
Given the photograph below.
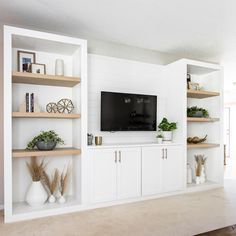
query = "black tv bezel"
x=137 y=94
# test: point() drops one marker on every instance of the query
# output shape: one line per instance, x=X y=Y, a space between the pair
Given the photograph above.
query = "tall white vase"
x=36 y=195
x=59 y=67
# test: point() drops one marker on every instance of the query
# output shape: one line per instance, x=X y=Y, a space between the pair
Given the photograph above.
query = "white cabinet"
x=103 y=175
x=173 y=169
x=115 y=174
x=162 y=169
x=152 y=170
x=129 y=173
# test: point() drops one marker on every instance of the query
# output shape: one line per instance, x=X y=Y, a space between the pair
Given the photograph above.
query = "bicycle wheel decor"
x=65 y=106
x=51 y=107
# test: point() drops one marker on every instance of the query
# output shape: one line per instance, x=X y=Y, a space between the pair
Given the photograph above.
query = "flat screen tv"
x=128 y=112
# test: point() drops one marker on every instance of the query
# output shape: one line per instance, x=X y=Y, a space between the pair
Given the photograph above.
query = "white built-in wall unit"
x=128 y=166
x=21 y=127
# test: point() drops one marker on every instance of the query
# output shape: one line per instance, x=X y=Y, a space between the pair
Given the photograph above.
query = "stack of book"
x=29 y=102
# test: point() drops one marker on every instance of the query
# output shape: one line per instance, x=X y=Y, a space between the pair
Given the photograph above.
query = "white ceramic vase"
x=61 y=199
x=159 y=140
x=51 y=199
x=59 y=67
x=36 y=195
x=167 y=135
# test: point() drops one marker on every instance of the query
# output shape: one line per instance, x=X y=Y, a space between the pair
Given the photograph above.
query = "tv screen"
x=128 y=112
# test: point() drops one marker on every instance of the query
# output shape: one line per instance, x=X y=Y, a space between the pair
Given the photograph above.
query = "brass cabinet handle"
x=115 y=156
x=163 y=153
x=166 y=152
x=119 y=156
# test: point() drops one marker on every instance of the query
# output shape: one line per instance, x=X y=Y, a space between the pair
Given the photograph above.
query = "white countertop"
x=148 y=144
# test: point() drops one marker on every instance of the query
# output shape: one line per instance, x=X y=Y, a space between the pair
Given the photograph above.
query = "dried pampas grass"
x=51 y=183
x=64 y=179
x=36 y=169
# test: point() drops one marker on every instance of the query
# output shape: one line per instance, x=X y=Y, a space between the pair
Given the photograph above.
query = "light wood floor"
x=187 y=214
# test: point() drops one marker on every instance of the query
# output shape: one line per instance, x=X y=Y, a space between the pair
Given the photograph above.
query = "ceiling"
x=202 y=29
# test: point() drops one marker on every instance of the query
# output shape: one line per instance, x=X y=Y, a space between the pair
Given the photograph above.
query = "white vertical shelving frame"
x=9 y=33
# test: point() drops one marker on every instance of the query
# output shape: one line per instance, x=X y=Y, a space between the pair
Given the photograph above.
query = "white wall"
x=120 y=75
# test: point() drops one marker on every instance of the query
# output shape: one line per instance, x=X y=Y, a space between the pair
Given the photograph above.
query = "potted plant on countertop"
x=167 y=129
x=46 y=140
x=159 y=137
x=36 y=195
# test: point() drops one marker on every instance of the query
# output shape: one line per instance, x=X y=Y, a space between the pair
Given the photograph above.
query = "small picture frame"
x=38 y=68
x=24 y=60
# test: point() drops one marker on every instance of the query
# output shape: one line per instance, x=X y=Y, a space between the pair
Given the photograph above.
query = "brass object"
x=196 y=140
x=98 y=140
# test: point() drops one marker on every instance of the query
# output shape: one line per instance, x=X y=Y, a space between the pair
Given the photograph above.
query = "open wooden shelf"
x=39 y=79
x=203 y=145
x=201 y=119
x=201 y=94
x=38 y=153
x=44 y=115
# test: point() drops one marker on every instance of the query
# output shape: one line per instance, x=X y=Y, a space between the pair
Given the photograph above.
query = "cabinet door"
x=103 y=175
x=129 y=173
x=152 y=158
x=173 y=169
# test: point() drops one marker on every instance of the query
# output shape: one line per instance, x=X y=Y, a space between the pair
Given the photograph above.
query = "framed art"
x=38 y=68
x=24 y=60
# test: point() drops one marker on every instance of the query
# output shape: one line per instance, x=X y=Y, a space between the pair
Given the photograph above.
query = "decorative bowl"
x=46 y=146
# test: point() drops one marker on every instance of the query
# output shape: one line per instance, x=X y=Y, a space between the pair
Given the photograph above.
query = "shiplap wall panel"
x=120 y=75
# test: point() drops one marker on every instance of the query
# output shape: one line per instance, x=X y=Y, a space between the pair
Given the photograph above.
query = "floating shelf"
x=200 y=119
x=203 y=145
x=44 y=115
x=38 y=153
x=40 y=79
x=201 y=94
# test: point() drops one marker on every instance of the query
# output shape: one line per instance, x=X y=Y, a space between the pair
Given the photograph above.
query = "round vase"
x=167 y=136
x=51 y=199
x=159 y=140
x=61 y=199
x=36 y=195
x=59 y=67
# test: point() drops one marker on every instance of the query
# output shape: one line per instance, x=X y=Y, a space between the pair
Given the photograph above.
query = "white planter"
x=167 y=135
x=36 y=195
x=159 y=140
x=59 y=67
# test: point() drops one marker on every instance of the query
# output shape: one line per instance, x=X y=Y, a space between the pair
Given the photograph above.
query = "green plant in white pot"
x=167 y=129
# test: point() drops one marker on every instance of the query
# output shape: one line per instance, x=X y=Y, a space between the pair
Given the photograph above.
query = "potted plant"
x=197 y=112
x=167 y=129
x=159 y=137
x=46 y=140
x=36 y=195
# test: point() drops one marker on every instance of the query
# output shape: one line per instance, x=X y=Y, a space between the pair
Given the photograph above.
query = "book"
x=27 y=101
x=32 y=102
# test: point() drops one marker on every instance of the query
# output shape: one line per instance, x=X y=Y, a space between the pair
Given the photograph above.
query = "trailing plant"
x=191 y=111
x=51 y=183
x=165 y=125
x=36 y=169
x=46 y=137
